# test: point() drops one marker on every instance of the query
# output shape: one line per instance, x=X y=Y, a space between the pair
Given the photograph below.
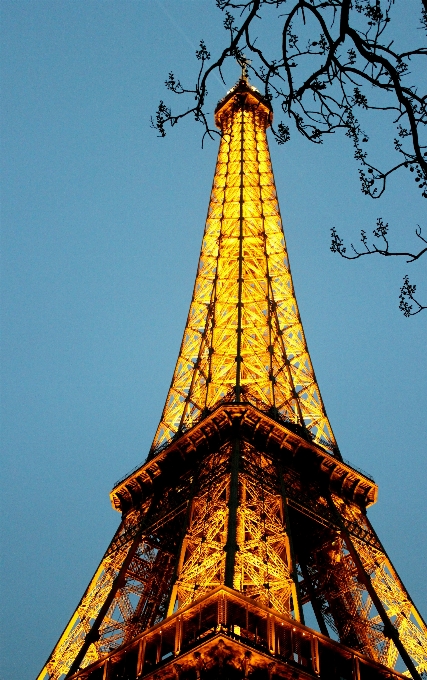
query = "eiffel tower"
x=244 y=514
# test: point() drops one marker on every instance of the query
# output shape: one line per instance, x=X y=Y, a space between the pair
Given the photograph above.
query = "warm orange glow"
x=244 y=339
x=208 y=516
x=263 y=563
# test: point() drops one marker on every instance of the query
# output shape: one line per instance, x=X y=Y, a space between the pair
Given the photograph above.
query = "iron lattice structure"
x=245 y=511
x=244 y=331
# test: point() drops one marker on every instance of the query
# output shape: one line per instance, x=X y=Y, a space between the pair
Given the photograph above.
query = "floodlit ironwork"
x=244 y=332
x=244 y=512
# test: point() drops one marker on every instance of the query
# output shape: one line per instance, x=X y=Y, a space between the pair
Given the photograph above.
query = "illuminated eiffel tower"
x=244 y=514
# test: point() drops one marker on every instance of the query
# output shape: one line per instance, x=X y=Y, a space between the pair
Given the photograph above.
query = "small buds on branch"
x=380 y=233
x=202 y=54
x=174 y=85
x=320 y=79
x=406 y=297
x=336 y=67
x=282 y=134
x=163 y=115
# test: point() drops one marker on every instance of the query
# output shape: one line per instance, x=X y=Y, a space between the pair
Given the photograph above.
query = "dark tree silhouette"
x=382 y=247
x=335 y=66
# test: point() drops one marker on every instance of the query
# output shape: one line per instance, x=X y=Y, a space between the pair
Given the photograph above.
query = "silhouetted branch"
x=334 y=57
x=335 y=62
x=380 y=232
x=407 y=293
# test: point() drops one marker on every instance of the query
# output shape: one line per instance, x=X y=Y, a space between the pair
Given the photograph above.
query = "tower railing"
x=225 y=617
x=247 y=398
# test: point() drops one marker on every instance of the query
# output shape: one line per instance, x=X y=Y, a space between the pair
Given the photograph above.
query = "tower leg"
x=92 y=635
x=389 y=630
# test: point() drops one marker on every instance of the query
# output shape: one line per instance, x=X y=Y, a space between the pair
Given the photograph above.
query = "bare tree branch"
x=381 y=231
x=337 y=63
x=347 y=63
x=407 y=291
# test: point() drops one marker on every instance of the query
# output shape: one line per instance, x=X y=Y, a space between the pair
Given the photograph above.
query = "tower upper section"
x=242 y=94
x=244 y=340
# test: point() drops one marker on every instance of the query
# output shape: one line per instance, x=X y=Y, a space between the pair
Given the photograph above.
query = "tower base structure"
x=227 y=635
x=212 y=565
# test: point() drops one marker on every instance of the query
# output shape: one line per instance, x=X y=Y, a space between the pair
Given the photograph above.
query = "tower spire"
x=244 y=62
x=244 y=339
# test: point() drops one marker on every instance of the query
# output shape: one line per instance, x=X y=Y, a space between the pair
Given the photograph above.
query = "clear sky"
x=101 y=229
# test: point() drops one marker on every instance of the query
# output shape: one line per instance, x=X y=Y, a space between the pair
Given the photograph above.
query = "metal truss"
x=244 y=332
x=130 y=589
x=225 y=634
x=391 y=593
x=352 y=582
x=244 y=488
x=262 y=568
x=266 y=516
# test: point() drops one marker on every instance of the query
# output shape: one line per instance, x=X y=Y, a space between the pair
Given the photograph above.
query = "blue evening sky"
x=101 y=228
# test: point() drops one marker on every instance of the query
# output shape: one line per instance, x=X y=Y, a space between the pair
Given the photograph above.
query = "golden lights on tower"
x=244 y=339
x=244 y=510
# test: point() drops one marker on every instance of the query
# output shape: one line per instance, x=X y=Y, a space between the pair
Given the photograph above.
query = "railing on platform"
x=225 y=613
x=248 y=398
